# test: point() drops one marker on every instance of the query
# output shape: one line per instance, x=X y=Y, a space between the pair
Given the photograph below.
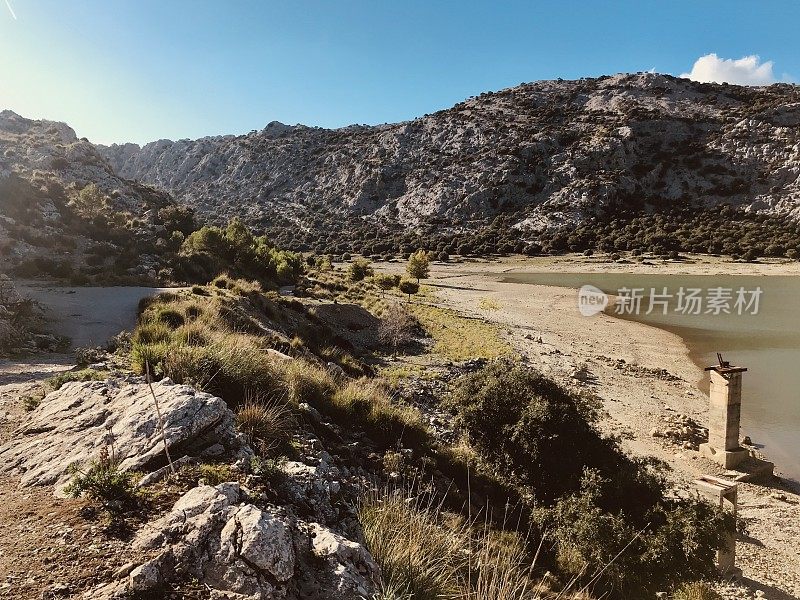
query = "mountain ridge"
x=551 y=153
x=510 y=168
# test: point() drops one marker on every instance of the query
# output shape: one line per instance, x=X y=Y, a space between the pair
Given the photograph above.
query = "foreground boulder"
x=78 y=422
x=214 y=534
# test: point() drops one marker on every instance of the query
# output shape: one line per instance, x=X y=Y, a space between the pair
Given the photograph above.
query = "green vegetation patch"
x=460 y=338
x=598 y=507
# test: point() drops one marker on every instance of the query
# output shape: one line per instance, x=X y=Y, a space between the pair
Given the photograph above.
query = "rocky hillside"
x=541 y=156
x=61 y=204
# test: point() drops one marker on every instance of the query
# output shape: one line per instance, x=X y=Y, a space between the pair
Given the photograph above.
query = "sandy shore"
x=543 y=324
x=690 y=264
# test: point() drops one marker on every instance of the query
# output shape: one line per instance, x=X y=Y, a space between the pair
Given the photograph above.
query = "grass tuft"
x=267 y=424
x=57 y=382
x=696 y=591
x=367 y=402
x=216 y=473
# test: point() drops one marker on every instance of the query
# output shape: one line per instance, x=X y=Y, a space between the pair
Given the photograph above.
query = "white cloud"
x=748 y=70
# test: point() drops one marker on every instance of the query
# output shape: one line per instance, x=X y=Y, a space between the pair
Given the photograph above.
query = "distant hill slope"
x=48 y=228
x=542 y=156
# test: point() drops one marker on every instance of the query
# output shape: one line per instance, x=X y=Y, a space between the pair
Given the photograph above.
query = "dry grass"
x=232 y=366
x=307 y=382
x=152 y=333
x=696 y=591
x=426 y=553
x=268 y=424
x=419 y=558
x=211 y=342
x=394 y=373
x=488 y=304
x=393 y=462
x=460 y=338
x=237 y=286
x=366 y=402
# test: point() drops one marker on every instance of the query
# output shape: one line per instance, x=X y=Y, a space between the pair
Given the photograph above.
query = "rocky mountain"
x=541 y=156
x=60 y=201
x=50 y=156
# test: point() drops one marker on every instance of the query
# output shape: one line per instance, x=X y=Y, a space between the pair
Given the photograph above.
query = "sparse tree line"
x=167 y=244
x=720 y=230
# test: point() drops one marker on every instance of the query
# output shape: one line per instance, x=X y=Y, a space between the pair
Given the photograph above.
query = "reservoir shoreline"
x=624 y=360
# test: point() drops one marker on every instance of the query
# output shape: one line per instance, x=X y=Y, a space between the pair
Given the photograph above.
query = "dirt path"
x=50 y=547
x=89 y=316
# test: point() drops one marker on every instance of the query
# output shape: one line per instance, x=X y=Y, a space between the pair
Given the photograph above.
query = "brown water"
x=767 y=343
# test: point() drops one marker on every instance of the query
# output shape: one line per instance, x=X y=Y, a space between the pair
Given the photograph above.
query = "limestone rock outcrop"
x=241 y=551
x=82 y=419
x=550 y=152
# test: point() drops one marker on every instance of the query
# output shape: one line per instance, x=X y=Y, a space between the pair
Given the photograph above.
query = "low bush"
x=170 y=317
x=150 y=357
x=11 y=337
x=89 y=356
x=674 y=541
x=366 y=403
x=103 y=482
x=386 y=281
x=359 y=269
x=530 y=428
x=606 y=513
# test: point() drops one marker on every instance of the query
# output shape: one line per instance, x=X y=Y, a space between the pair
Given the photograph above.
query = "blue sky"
x=139 y=70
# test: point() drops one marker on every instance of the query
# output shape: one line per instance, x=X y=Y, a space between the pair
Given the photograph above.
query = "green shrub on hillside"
x=103 y=482
x=385 y=281
x=673 y=541
x=230 y=367
x=209 y=251
x=359 y=269
x=409 y=287
x=530 y=428
x=593 y=501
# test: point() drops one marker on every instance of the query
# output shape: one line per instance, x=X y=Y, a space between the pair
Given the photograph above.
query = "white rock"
x=75 y=423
